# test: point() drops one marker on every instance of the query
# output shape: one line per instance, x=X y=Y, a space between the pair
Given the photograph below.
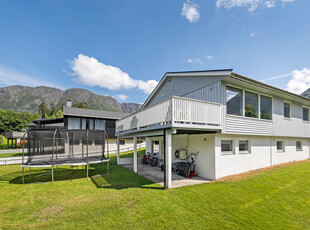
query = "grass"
x=276 y=198
x=3 y=155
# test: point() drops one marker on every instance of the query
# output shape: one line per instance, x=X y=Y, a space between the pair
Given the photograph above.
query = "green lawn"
x=267 y=199
x=12 y=155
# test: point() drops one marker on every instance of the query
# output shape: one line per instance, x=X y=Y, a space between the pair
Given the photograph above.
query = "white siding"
x=246 y=125
x=290 y=127
x=263 y=154
x=205 y=161
x=179 y=86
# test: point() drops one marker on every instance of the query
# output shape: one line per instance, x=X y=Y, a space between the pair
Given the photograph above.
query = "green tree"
x=42 y=109
x=52 y=110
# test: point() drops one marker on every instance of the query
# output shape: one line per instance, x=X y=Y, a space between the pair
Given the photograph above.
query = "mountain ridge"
x=25 y=98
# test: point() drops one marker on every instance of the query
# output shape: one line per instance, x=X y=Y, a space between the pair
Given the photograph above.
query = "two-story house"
x=236 y=123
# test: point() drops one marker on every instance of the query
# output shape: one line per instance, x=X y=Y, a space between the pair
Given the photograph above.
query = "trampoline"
x=53 y=147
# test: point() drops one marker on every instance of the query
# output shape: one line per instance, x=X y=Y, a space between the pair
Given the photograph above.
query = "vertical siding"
x=211 y=93
x=180 y=86
x=290 y=127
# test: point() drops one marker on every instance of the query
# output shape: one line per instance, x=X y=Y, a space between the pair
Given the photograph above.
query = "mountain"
x=130 y=107
x=24 y=98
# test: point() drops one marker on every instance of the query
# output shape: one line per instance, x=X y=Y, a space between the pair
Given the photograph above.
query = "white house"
x=236 y=123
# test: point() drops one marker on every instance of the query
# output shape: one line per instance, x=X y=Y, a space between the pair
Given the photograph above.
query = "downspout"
x=165 y=161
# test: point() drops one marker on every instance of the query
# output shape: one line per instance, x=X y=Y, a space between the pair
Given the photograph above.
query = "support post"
x=23 y=175
x=117 y=151
x=52 y=174
x=135 y=155
x=168 y=162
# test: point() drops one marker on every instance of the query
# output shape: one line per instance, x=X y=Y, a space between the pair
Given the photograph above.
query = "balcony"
x=173 y=112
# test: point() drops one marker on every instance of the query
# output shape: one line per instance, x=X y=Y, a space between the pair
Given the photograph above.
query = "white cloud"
x=89 y=71
x=10 y=76
x=270 y=3
x=189 y=60
x=122 y=97
x=250 y=4
x=300 y=81
x=209 y=57
x=253 y=34
x=190 y=11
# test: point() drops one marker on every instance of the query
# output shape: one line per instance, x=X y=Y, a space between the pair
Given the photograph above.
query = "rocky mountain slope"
x=24 y=98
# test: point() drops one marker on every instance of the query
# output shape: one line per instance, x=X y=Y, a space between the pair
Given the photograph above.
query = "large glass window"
x=265 y=107
x=305 y=114
x=74 y=123
x=287 y=110
x=99 y=124
x=87 y=123
x=251 y=104
x=234 y=101
x=226 y=145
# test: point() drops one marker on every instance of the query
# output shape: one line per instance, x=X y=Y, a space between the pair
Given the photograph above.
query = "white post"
x=168 y=162
x=135 y=163
x=117 y=151
x=148 y=144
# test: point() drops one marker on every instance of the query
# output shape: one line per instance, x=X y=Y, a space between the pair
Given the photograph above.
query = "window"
x=227 y=146
x=287 y=109
x=280 y=146
x=74 y=123
x=305 y=114
x=265 y=107
x=244 y=146
x=121 y=142
x=251 y=104
x=99 y=124
x=298 y=146
x=156 y=142
x=234 y=101
x=87 y=123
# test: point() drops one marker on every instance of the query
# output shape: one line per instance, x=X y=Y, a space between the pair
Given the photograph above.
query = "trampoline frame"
x=84 y=161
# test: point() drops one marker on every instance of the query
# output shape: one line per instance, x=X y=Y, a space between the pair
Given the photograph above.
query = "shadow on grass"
x=118 y=178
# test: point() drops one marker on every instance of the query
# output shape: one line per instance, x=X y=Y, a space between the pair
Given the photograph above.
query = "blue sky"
x=123 y=48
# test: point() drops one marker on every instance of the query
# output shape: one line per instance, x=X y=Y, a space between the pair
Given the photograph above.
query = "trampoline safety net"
x=51 y=147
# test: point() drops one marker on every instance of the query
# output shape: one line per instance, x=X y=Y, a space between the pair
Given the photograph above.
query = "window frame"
x=242 y=90
x=243 y=102
x=258 y=102
x=230 y=152
x=290 y=111
x=283 y=146
x=244 y=151
x=305 y=107
x=301 y=148
x=265 y=95
x=121 y=142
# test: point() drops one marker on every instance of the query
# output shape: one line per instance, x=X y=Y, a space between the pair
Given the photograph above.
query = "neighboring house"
x=236 y=123
x=82 y=119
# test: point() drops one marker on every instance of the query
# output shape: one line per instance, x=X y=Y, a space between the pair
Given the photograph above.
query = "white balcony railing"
x=176 y=111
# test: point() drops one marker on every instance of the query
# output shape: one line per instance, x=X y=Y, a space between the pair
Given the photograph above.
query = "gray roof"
x=71 y=111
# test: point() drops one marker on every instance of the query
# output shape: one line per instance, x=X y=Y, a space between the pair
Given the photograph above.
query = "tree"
x=52 y=110
x=42 y=109
x=77 y=104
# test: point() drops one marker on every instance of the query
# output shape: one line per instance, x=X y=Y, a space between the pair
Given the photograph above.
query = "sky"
x=123 y=48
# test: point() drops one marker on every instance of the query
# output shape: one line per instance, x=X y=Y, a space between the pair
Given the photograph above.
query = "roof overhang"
x=269 y=89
